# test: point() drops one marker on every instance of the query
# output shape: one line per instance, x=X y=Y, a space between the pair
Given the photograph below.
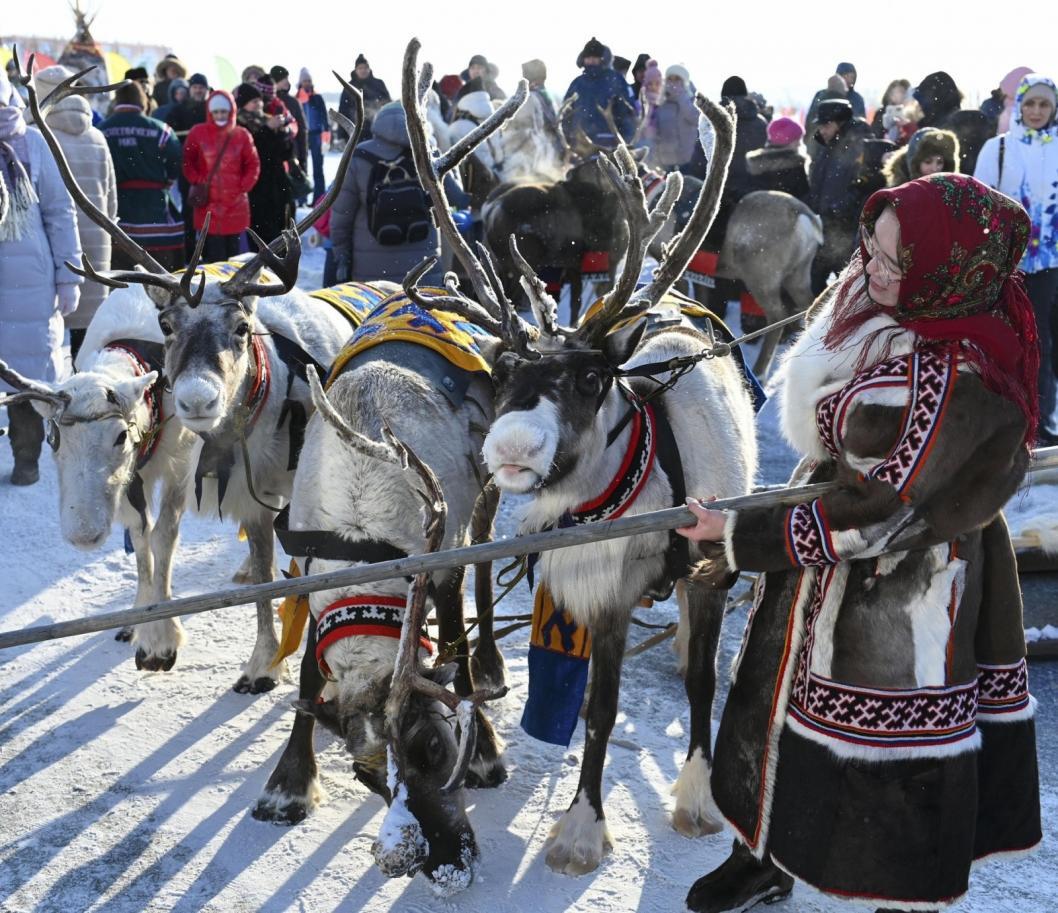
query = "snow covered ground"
x=124 y=791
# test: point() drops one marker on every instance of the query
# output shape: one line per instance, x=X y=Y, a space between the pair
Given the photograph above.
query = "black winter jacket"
x=779 y=168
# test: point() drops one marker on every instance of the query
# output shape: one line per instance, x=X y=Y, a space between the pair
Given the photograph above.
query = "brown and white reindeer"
x=353 y=502
x=580 y=431
x=235 y=358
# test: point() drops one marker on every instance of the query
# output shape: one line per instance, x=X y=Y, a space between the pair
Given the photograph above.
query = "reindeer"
x=236 y=365
x=571 y=409
x=352 y=502
x=114 y=445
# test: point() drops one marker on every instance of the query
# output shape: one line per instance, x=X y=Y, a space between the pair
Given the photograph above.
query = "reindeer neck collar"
x=259 y=387
x=373 y=616
x=632 y=473
x=144 y=361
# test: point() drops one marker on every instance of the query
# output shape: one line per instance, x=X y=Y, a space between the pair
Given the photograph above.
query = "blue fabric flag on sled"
x=559 y=650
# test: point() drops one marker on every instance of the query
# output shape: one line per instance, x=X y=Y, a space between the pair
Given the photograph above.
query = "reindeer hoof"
x=160 y=662
x=691 y=825
x=257 y=686
x=270 y=808
x=488 y=670
x=580 y=841
x=124 y=634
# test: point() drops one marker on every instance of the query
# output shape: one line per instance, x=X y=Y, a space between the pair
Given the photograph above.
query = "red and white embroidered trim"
x=1003 y=689
x=371 y=616
x=148 y=438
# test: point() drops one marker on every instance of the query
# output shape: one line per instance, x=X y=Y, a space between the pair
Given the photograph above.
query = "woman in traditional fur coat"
x=929 y=151
x=878 y=738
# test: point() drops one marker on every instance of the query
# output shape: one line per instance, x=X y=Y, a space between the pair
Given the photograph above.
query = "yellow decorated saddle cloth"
x=399 y=319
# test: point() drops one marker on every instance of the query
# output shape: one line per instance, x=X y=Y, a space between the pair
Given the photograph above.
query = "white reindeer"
x=237 y=372
x=569 y=412
x=119 y=457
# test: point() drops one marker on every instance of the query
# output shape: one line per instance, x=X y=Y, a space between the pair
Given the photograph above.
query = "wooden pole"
x=657 y=521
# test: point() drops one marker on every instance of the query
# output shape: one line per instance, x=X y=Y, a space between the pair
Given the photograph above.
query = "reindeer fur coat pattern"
x=878 y=738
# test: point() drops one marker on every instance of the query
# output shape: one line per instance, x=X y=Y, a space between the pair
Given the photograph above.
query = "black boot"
x=26 y=428
x=742 y=881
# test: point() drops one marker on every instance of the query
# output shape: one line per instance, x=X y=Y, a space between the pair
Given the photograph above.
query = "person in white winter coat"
x=1023 y=164
x=87 y=152
x=479 y=172
x=38 y=233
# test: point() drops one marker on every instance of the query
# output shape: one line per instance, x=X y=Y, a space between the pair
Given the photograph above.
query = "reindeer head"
x=208 y=328
x=95 y=426
x=555 y=404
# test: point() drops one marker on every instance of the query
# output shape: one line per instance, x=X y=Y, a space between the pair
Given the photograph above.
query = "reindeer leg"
x=158 y=642
x=155 y=641
x=695 y=813
x=260 y=674
x=576 y=291
x=294 y=788
x=486 y=769
x=580 y=837
x=486 y=664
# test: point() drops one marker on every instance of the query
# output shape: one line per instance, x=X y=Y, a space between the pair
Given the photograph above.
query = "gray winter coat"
x=87 y=152
x=350 y=235
x=676 y=122
x=31 y=327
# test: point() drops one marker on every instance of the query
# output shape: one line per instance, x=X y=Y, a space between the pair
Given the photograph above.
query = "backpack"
x=398 y=210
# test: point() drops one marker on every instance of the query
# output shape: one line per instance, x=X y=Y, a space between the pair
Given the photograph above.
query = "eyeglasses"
x=889 y=273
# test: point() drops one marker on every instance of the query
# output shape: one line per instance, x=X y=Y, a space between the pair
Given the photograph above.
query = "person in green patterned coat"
x=147 y=158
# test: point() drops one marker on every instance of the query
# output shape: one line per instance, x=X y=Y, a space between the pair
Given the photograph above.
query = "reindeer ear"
x=131 y=391
x=325 y=712
x=161 y=297
x=490 y=348
x=248 y=305
x=619 y=346
x=46 y=410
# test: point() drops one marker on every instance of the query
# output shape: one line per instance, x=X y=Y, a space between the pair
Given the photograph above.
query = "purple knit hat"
x=784 y=131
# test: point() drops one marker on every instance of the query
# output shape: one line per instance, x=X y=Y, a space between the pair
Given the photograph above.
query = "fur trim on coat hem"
x=854 y=752
x=927 y=906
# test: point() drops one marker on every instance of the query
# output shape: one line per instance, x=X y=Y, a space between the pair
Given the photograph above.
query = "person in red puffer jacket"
x=236 y=175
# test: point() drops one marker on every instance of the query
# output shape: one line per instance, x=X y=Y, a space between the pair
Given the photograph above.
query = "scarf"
x=17 y=196
x=960 y=245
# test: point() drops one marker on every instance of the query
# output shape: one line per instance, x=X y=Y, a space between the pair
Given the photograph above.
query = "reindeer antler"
x=431 y=172
x=359 y=442
x=406 y=676
x=642 y=227
x=286 y=268
x=28 y=389
x=65 y=89
x=680 y=250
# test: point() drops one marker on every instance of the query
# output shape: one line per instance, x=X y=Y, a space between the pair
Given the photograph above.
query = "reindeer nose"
x=197 y=406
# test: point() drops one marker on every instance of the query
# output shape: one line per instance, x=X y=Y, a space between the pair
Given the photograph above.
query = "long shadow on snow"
x=250 y=839
x=65 y=679
x=50 y=839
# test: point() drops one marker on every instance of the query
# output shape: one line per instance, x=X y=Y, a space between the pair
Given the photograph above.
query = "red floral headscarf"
x=960 y=245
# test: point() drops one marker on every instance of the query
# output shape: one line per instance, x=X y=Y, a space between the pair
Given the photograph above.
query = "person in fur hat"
x=597 y=88
x=170 y=67
x=782 y=164
x=878 y=739
x=927 y=152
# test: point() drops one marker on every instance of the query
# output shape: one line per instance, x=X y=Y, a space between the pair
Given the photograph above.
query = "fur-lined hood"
x=775 y=158
x=929 y=141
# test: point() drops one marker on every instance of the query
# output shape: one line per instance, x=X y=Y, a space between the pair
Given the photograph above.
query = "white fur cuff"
x=729 y=534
